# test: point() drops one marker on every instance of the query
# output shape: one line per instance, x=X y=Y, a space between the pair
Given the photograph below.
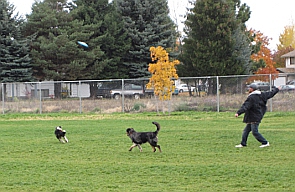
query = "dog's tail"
x=158 y=127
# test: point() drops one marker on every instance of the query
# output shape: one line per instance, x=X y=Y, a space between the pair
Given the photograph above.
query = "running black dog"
x=139 y=138
x=61 y=134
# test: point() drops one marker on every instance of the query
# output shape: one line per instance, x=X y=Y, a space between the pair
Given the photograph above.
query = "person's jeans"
x=254 y=128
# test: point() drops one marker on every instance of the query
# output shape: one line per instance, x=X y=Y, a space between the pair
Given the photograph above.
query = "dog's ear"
x=129 y=131
x=132 y=130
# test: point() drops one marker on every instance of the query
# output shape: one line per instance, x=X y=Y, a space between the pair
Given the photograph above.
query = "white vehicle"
x=184 y=88
x=287 y=88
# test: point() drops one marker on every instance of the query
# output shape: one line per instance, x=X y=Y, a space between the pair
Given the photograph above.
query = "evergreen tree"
x=148 y=24
x=109 y=35
x=217 y=42
x=15 y=63
x=55 y=51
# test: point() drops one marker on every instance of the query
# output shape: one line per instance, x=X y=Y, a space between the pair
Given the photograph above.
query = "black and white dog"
x=61 y=134
x=139 y=138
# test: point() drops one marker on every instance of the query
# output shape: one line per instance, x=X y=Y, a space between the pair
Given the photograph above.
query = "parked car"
x=287 y=88
x=262 y=86
x=150 y=92
x=130 y=90
x=104 y=89
x=291 y=82
x=184 y=88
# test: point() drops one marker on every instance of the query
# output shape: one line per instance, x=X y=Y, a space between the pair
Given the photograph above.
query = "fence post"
x=217 y=91
x=80 y=99
x=3 y=104
x=123 y=98
x=270 y=88
x=40 y=98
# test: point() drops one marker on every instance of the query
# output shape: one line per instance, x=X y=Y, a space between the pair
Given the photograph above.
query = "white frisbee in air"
x=83 y=44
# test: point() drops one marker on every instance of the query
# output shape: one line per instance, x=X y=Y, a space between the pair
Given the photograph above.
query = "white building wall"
x=74 y=89
x=280 y=81
x=33 y=89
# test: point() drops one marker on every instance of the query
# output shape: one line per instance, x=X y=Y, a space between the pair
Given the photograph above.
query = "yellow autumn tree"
x=287 y=38
x=264 y=55
x=163 y=72
x=286 y=45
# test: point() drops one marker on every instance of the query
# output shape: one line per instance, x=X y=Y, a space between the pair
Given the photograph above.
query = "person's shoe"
x=240 y=146
x=265 y=145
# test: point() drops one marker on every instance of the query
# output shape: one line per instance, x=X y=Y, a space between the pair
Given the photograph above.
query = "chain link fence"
x=223 y=93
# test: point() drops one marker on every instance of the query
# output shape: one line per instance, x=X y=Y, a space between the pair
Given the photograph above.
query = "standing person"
x=254 y=108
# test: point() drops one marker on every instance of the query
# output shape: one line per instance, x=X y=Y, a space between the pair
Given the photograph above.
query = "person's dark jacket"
x=255 y=105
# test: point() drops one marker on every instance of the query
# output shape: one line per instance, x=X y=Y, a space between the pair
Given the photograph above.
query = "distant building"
x=288 y=73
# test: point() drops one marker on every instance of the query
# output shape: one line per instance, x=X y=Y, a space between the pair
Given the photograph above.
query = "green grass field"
x=198 y=153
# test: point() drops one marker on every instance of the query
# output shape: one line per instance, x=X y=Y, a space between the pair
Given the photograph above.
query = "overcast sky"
x=268 y=16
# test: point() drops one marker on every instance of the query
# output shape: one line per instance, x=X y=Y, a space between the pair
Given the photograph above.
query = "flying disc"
x=82 y=44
